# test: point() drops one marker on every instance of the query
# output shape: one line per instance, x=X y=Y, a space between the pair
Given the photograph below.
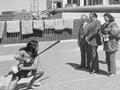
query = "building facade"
x=15 y=15
x=54 y=3
x=64 y=3
x=24 y=15
x=93 y=2
x=9 y=16
x=75 y=3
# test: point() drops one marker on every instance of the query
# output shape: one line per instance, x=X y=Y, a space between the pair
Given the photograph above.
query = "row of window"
x=92 y=2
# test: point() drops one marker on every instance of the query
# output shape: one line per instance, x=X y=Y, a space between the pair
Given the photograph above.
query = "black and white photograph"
x=59 y=45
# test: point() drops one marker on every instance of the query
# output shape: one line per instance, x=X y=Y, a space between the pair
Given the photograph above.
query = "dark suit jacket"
x=81 y=33
x=93 y=33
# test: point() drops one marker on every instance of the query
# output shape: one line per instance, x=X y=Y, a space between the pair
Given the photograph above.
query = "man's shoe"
x=92 y=72
x=87 y=67
x=96 y=71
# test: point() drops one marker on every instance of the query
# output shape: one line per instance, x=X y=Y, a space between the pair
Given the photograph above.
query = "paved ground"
x=59 y=64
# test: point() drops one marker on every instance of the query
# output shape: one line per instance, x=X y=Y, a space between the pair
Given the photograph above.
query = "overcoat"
x=113 y=32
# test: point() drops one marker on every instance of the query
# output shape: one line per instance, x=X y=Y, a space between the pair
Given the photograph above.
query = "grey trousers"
x=83 y=55
x=110 y=57
x=94 y=58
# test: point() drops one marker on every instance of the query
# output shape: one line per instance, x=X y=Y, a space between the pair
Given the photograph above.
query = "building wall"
x=7 y=16
x=25 y=16
x=48 y=4
x=88 y=3
x=64 y=3
x=77 y=15
x=92 y=2
x=14 y=15
x=83 y=2
x=114 y=1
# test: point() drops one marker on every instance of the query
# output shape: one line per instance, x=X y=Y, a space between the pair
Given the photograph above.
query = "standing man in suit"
x=81 y=40
x=94 y=40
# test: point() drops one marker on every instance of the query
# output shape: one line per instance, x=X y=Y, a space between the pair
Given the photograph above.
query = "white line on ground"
x=72 y=81
x=7 y=57
x=21 y=44
x=12 y=45
x=77 y=80
x=70 y=40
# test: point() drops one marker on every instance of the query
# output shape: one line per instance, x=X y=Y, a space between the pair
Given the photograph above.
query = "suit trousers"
x=83 y=54
x=94 y=63
x=88 y=51
x=110 y=56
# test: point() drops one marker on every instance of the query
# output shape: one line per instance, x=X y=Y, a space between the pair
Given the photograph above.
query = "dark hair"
x=31 y=46
x=111 y=18
x=94 y=14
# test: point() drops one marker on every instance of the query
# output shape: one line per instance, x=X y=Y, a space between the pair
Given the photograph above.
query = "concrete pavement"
x=59 y=64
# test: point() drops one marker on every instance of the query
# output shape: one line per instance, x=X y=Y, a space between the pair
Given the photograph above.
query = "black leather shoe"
x=91 y=72
x=96 y=71
x=87 y=67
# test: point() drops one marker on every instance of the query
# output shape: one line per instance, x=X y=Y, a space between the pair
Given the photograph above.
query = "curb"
x=22 y=44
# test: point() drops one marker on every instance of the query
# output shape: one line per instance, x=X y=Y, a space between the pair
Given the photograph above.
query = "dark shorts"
x=22 y=74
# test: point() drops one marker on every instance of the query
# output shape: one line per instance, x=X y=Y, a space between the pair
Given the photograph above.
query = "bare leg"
x=37 y=75
x=13 y=82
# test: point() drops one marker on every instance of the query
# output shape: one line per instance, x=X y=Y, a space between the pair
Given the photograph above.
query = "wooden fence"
x=46 y=35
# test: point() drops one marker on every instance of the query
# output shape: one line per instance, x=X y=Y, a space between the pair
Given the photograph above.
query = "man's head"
x=84 y=18
x=92 y=16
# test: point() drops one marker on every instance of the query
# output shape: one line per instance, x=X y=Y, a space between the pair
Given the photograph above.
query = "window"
x=93 y=2
x=59 y=4
x=68 y=1
x=97 y=2
x=75 y=1
x=114 y=1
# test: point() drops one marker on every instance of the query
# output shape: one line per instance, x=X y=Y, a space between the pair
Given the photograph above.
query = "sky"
x=12 y=5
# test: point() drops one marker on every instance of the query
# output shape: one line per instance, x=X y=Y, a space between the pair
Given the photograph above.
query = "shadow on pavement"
x=75 y=66
x=44 y=79
x=21 y=85
x=102 y=72
x=18 y=87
